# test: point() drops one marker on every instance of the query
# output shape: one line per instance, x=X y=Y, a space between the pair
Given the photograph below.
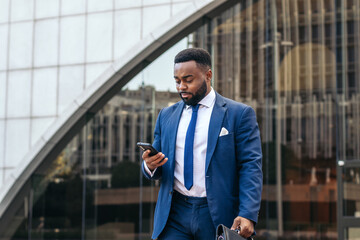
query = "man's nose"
x=182 y=86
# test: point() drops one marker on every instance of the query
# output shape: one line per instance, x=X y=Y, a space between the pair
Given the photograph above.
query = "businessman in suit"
x=209 y=159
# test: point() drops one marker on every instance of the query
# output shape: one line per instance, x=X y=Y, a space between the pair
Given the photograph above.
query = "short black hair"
x=199 y=55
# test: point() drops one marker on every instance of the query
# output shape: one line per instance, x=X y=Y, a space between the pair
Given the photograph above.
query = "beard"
x=196 y=98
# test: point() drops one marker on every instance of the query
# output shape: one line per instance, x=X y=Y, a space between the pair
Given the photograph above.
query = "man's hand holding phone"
x=155 y=161
x=151 y=156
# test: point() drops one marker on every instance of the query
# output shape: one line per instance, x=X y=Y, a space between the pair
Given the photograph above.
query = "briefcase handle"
x=224 y=233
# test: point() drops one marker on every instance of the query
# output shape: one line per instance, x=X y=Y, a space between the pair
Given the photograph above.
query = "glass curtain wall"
x=94 y=189
x=295 y=62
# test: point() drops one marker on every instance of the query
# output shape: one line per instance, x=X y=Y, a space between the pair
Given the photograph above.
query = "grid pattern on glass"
x=37 y=35
x=305 y=112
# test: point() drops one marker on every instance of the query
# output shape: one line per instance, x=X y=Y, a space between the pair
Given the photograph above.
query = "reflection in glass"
x=275 y=56
x=289 y=60
x=94 y=188
x=352 y=233
x=352 y=192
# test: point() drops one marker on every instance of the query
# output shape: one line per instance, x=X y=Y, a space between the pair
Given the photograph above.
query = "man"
x=209 y=159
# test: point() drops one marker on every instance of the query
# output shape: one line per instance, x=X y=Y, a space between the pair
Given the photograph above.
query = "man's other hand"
x=245 y=226
x=155 y=161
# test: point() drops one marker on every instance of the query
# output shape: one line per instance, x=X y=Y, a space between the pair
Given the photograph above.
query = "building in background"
x=113 y=133
x=295 y=62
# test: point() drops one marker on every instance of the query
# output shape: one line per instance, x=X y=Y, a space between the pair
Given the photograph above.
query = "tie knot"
x=195 y=108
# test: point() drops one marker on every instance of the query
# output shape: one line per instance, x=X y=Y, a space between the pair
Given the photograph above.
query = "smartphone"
x=147 y=146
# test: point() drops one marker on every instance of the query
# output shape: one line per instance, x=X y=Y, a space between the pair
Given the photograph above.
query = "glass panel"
x=257 y=52
x=102 y=161
x=2 y=144
x=125 y=36
x=352 y=234
x=2 y=94
x=97 y=6
x=71 y=84
x=44 y=95
x=46 y=43
x=154 y=2
x=102 y=164
x=3 y=46
x=160 y=72
x=179 y=7
x=16 y=141
x=352 y=192
x=21 y=45
x=93 y=71
x=39 y=127
x=19 y=94
x=351 y=121
x=264 y=55
x=119 y=4
x=73 y=7
x=54 y=214
x=99 y=37
x=72 y=40
x=4 y=11
x=47 y=8
x=22 y=10
x=151 y=21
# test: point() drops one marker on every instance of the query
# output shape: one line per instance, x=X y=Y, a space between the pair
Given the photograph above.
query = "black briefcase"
x=224 y=233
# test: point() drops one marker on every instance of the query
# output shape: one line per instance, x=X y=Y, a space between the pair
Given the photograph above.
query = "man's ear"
x=209 y=75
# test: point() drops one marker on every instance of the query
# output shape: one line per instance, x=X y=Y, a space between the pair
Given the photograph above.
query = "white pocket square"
x=223 y=132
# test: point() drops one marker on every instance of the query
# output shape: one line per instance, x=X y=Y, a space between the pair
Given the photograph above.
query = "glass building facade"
x=295 y=62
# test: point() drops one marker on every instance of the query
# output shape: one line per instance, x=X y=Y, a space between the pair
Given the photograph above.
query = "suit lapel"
x=172 y=132
x=216 y=120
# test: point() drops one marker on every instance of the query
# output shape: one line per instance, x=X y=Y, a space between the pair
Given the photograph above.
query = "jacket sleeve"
x=249 y=158
x=157 y=145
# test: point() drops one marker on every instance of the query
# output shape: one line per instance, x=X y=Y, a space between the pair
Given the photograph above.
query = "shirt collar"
x=208 y=100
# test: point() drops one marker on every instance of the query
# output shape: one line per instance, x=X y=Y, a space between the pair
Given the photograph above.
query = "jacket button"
x=170 y=192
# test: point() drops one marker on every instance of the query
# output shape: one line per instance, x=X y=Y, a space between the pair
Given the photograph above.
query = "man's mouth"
x=185 y=95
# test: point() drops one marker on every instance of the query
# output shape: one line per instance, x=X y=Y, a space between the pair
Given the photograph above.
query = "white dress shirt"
x=200 y=146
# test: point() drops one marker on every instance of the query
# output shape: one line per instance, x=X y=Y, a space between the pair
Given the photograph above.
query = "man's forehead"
x=186 y=64
x=189 y=66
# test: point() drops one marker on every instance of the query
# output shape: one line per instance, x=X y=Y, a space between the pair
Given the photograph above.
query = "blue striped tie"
x=189 y=147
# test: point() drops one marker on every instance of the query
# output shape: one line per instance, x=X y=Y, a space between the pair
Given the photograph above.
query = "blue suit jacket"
x=233 y=163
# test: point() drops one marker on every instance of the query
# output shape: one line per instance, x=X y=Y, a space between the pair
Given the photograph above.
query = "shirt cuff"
x=151 y=173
